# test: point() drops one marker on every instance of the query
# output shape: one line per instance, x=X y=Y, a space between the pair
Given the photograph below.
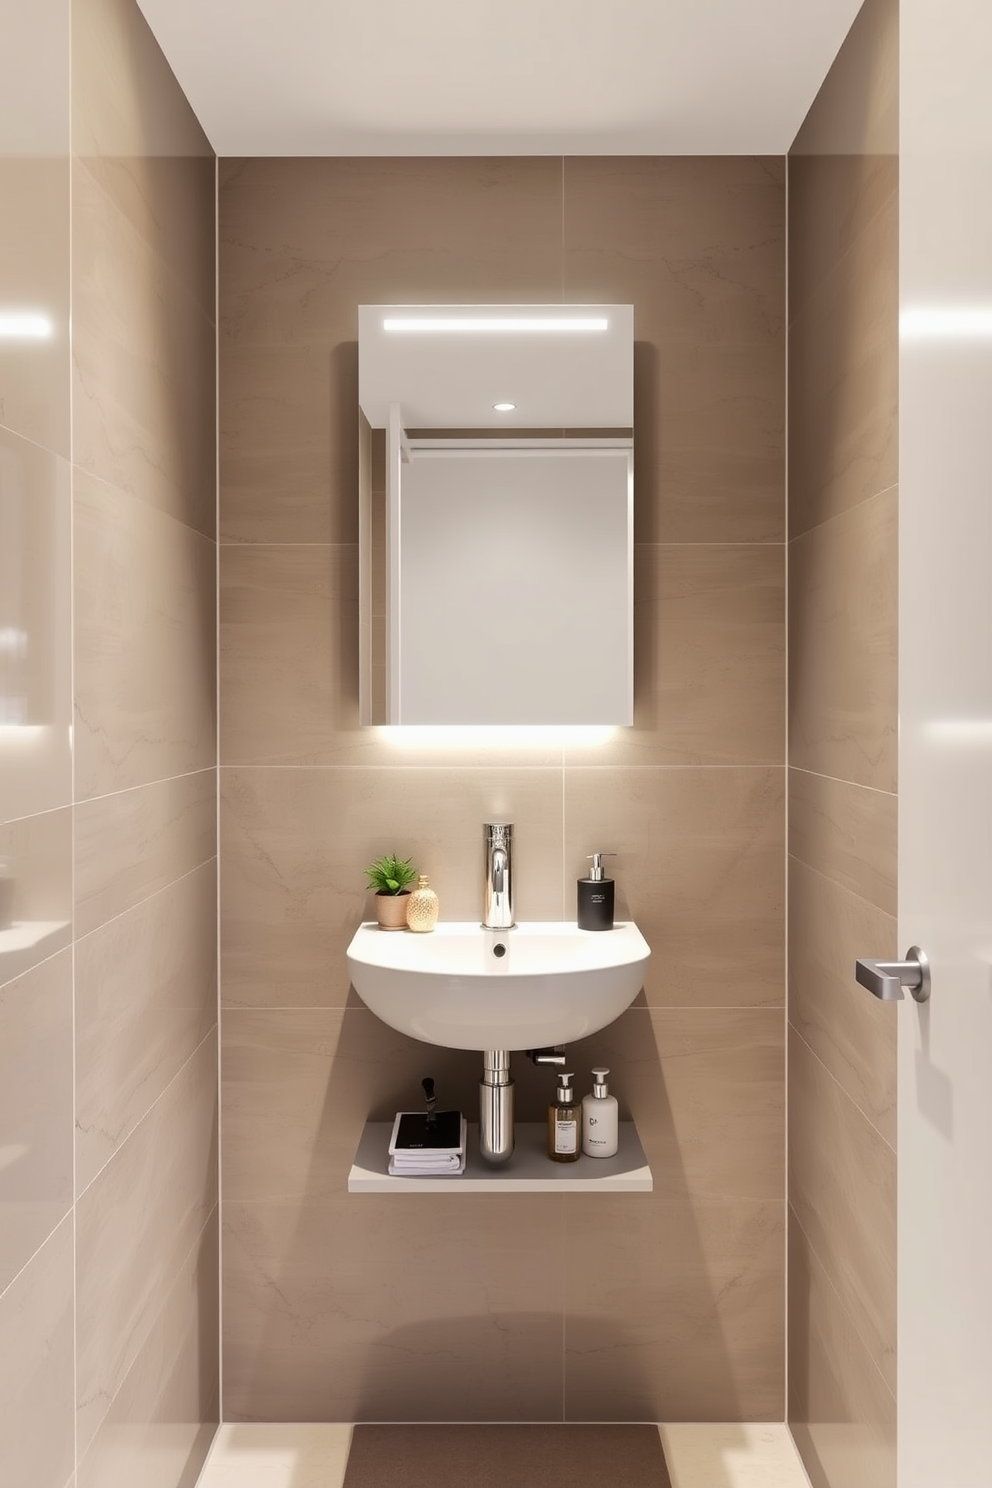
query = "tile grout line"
x=876 y=790
x=845 y=1093
x=840 y=515
x=217 y=737
x=786 y=803
x=841 y=1303
x=140 y=903
x=145 y=1115
x=836 y=884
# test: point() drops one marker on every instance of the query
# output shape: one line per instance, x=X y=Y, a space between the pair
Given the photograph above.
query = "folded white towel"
x=426 y=1165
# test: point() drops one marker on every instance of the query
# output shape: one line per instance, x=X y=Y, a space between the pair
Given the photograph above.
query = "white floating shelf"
x=529 y=1170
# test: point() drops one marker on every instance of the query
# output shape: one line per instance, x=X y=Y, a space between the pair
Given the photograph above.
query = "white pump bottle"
x=600 y=1119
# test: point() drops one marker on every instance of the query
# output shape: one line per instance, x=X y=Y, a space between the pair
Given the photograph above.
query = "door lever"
x=886 y=979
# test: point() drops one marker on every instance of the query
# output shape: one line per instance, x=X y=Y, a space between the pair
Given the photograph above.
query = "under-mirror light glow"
x=946 y=323
x=499 y=736
x=495 y=323
x=25 y=325
x=504 y=407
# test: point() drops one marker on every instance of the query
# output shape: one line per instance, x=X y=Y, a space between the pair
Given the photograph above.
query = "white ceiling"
x=500 y=77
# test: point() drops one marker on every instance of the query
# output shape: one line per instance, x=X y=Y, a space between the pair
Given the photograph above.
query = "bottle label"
x=565 y=1133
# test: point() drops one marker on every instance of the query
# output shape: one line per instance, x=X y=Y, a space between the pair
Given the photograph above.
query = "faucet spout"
x=497 y=891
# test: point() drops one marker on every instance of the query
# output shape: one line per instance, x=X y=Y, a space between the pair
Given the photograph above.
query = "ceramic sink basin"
x=544 y=982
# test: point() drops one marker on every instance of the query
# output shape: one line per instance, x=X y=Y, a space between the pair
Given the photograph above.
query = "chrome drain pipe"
x=496 y=1107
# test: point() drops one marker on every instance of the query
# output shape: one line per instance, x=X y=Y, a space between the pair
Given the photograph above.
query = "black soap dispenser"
x=595 y=896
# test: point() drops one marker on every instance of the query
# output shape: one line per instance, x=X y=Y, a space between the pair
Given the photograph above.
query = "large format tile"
x=674 y=1309
x=146 y=995
x=135 y=1227
x=36 y=1369
x=144 y=373
x=705 y=1088
x=851 y=1032
x=296 y=842
x=841 y=1411
x=34 y=226
x=36 y=855
x=843 y=614
x=847 y=832
x=843 y=381
x=739 y=1455
x=131 y=844
x=302 y=245
x=698 y=244
x=159 y=1428
x=35 y=621
x=343 y=1309
x=145 y=643
x=35 y=1109
x=843 y=163
x=139 y=138
x=709 y=659
x=699 y=867
x=842 y=1186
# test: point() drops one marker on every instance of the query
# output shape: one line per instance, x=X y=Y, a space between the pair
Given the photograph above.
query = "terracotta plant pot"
x=391 y=910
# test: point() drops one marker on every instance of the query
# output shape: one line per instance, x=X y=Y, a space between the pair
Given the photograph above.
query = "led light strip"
x=495 y=323
x=24 y=325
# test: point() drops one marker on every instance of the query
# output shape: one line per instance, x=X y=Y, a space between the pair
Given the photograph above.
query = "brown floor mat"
x=506 y=1457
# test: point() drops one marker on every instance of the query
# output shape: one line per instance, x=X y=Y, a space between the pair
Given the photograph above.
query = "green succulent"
x=390 y=875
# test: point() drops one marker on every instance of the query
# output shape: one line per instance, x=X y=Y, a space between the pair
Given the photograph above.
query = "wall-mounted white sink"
x=544 y=982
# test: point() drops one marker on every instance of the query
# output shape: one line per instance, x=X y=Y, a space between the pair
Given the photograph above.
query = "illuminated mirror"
x=496 y=514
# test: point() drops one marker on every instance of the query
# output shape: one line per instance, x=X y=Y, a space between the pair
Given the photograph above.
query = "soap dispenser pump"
x=595 y=897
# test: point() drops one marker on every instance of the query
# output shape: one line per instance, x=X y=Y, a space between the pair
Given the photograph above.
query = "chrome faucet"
x=497 y=893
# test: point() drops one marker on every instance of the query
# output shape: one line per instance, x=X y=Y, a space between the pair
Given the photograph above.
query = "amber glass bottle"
x=564 y=1124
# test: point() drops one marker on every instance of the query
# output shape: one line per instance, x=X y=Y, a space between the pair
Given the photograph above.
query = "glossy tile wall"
x=843 y=563
x=108 y=1183
x=664 y=1307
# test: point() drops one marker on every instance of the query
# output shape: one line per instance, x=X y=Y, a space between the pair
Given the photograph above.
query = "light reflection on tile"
x=36 y=853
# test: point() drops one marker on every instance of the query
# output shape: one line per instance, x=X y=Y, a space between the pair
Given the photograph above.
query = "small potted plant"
x=389 y=877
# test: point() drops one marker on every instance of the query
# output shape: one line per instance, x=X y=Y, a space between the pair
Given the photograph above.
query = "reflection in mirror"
x=496 y=514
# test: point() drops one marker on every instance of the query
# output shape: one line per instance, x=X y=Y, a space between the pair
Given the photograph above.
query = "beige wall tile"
x=146 y=996
x=131 y=844
x=706 y=1090
x=709 y=653
x=35 y=1109
x=143 y=365
x=699 y=868
x=289 y=443
x=35 y=585
x=742 y=1455
x=135 y=1226
x=842 y=1412
x=709 y=457
x=296 y=843
x=843 y=611
x=34 y=229
x=159 y=1428
x=843 y=162
x=688 y=1331
x=697 y=245
x=36 y=1379
x=34 y=251
x=145 y=620
x=850 y=1031
x=842 y=1186
x=847 y=832
x=37 y=855
x=140 y=139
x=463 y=1321
x=304 y=242
x=843 y=380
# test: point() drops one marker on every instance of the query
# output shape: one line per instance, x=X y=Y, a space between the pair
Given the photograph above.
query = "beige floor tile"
x=739 y=1455
x=267 y=1456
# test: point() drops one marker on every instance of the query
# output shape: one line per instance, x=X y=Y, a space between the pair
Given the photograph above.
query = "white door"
x=945 y=743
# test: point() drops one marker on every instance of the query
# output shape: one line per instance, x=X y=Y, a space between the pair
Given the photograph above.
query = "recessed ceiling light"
x=504 y=407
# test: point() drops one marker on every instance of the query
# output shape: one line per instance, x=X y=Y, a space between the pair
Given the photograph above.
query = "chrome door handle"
x=886 y=979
